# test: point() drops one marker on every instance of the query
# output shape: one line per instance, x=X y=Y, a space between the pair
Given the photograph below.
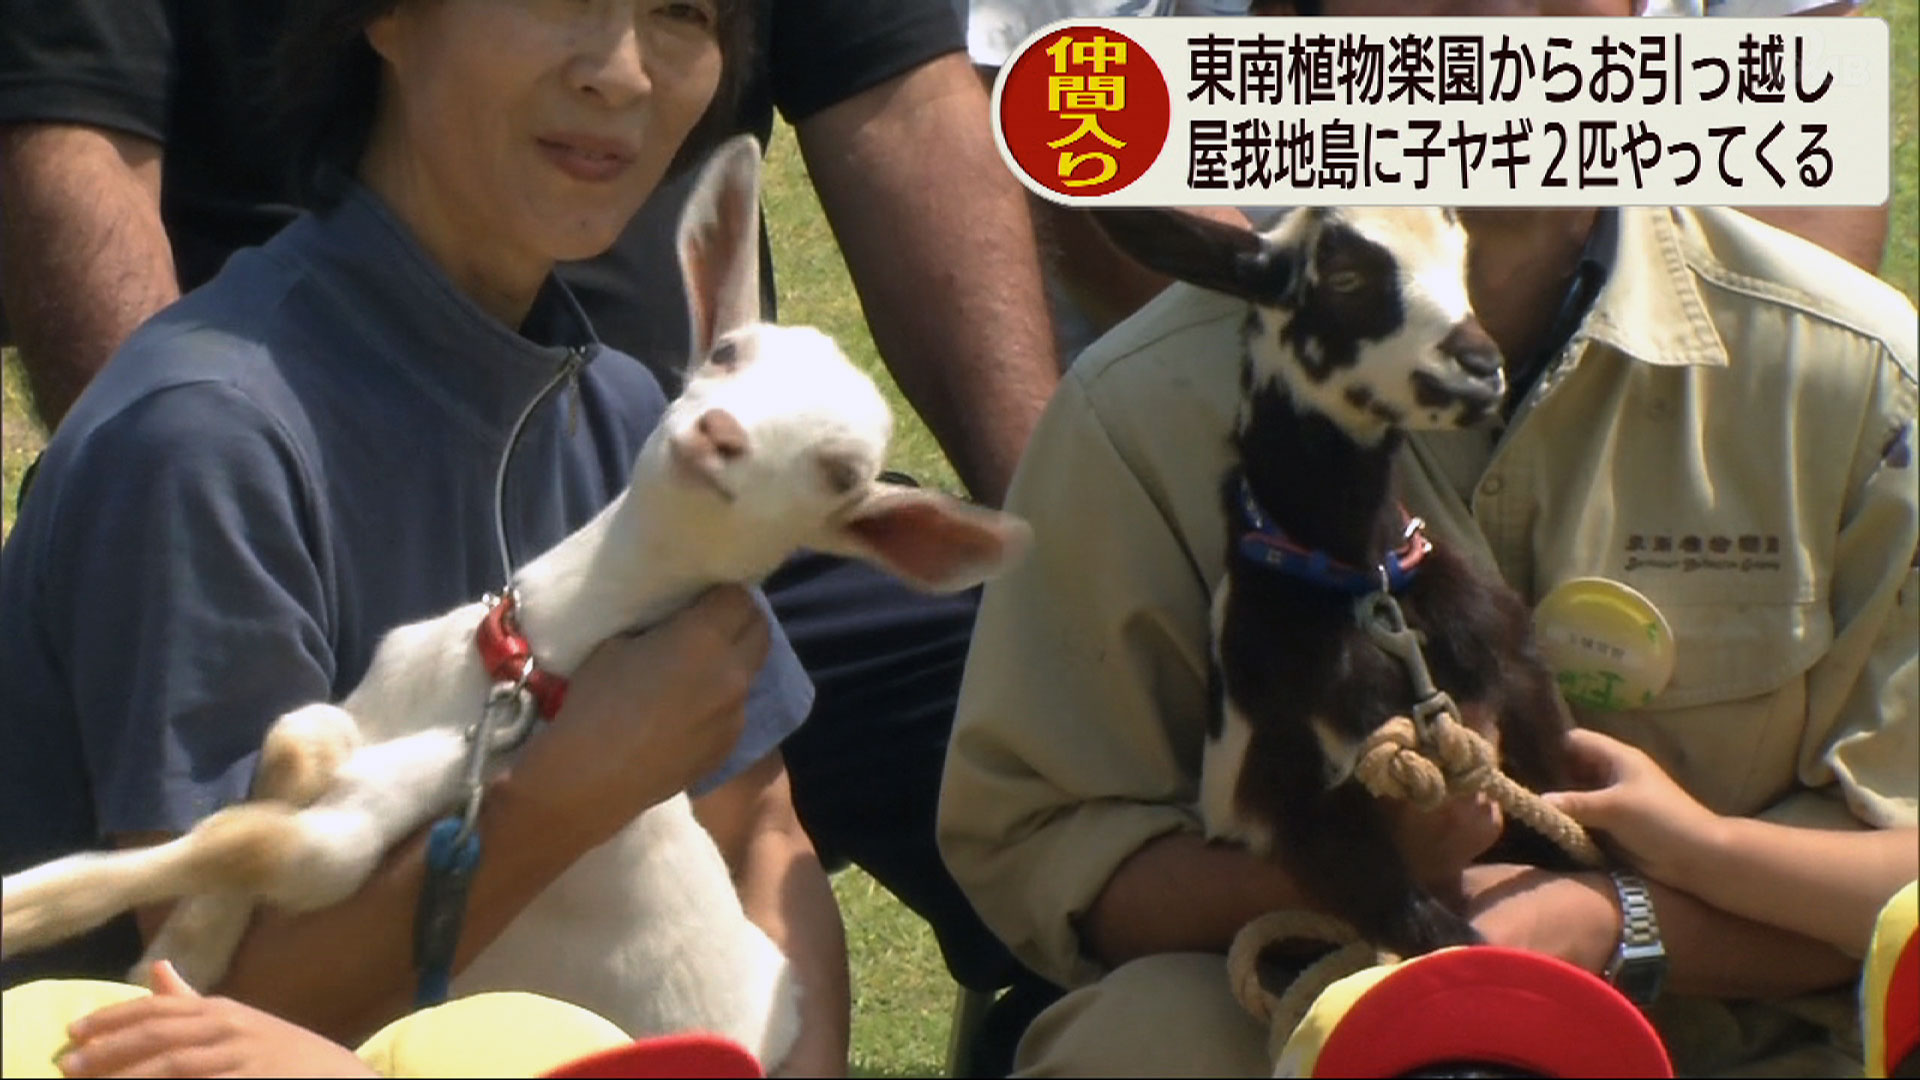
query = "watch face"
x=1639 y=978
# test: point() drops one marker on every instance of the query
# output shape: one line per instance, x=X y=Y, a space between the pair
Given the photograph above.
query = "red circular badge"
x=1084 y=111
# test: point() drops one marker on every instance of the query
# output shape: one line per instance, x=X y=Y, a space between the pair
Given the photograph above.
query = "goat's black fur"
x=1290 y=652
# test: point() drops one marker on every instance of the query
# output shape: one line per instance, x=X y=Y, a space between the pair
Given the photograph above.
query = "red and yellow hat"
x=1890 y=988
x=1484 y=1004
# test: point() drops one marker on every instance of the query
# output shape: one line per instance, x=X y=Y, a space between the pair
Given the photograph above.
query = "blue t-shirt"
x=268 y=476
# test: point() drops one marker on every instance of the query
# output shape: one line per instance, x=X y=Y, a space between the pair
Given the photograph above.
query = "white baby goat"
x=775 y=444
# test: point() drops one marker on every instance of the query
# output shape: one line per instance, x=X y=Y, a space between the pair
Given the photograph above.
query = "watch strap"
x=1639 y=964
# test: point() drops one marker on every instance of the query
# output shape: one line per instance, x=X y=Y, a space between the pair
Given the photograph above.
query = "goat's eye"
x=841 y=474
x=1345 y=281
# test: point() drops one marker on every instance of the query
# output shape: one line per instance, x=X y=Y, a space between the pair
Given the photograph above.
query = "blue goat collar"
x=1266 y=544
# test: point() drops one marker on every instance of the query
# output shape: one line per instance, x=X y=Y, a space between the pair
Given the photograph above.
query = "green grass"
x=902 y=997
x=1902 y=264
x=20 y=435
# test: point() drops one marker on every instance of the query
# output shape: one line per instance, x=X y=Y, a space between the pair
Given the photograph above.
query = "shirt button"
x=1491 y=485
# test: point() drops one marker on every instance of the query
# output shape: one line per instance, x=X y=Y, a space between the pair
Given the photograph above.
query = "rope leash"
x=1282 y=1008
x=1424 y=758
x=1394 y=764
x=1431 y=755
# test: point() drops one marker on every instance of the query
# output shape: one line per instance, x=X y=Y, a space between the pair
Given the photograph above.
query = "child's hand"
x=176 y=1032
x=1651 y=820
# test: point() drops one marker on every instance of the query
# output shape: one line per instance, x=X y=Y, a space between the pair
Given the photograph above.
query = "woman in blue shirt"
x=300 y=455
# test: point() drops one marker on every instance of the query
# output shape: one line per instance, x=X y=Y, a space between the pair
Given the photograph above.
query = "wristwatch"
x=1639 y=964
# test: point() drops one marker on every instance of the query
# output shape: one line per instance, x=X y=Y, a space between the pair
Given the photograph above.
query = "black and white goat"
x=776 y=443
x=1359 y=330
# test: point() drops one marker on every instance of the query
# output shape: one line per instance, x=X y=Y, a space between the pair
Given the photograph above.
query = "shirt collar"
x=1651 y=308
x=417 y=320
x=1590 y=274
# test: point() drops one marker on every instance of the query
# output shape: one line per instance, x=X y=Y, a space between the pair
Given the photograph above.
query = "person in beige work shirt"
x=1712 y=393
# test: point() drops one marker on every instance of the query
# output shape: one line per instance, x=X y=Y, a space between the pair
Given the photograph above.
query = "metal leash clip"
x=526 y=710
x=1379 y=614
x=486 y=737
x=453 y=844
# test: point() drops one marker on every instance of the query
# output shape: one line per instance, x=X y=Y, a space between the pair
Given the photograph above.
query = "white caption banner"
x=1462 y=111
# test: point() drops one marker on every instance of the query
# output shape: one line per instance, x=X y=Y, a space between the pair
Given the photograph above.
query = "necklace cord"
x=568 y=369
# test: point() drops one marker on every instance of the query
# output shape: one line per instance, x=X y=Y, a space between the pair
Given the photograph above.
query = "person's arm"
x=1066 y=808
x=940 y=246
x=645 y=716
x=784 y=890
x=345 y=970
x=1180 y=893
x=1826 y=884
x=1136 y=915
x=1856 y=233
x=1106 y=283
x=1576 y=917
x=1786 y=900
x=83 y=255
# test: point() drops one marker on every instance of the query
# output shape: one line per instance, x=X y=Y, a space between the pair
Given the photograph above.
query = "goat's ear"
x=1201 y=251
x=719 y=245
x=931 y=541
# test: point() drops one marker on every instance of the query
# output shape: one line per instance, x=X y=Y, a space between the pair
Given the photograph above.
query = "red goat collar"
x=507 y=656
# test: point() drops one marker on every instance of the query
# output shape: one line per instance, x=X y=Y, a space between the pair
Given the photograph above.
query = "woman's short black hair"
x=329 y=84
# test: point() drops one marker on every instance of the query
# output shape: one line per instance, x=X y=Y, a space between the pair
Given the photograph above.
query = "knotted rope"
x=1341 y=951
x=1394 y=765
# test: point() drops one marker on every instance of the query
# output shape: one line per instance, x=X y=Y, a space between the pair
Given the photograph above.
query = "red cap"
x=1901 y=1015
x=694 y=1055
x=1496 y=1006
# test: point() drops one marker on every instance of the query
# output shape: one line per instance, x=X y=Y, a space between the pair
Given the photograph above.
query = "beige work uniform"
x=1730 y=431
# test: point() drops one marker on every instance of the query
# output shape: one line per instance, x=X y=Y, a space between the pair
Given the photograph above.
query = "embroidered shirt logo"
x=1692 y=552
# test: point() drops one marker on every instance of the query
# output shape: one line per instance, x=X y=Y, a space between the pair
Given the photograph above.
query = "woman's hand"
x=176 y=1032
x=1652 y=822
x=646 y=716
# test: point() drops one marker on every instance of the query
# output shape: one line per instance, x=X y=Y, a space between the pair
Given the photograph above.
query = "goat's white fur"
x=1430 y=254
x=647 y=928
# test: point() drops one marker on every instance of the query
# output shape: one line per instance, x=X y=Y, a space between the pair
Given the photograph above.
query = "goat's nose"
x=1469 y=345
x=722 y=433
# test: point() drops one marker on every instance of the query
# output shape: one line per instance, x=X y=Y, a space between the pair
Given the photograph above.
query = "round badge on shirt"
x=1607 y=645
